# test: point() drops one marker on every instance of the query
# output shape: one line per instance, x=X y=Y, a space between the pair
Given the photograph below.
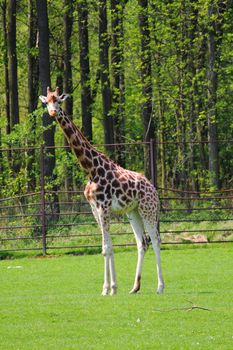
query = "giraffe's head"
x=52 y=101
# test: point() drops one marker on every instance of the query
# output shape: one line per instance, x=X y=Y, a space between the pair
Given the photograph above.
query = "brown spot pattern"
x=110 y=180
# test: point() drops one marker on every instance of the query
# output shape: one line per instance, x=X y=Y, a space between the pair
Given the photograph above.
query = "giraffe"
x=113 y=189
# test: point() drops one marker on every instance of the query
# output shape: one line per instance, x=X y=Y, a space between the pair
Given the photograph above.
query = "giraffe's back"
x=133 y=190
x=122 y=190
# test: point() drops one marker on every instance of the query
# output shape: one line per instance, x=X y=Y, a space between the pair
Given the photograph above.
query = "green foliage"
x=178 y=44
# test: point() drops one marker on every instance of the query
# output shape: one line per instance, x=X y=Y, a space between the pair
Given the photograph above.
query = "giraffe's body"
x=112 y=188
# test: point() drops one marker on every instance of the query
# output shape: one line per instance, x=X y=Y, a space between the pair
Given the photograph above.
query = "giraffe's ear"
x=43 y=99
x=63 y=97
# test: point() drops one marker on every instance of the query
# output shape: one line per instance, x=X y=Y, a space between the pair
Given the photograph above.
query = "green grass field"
x=55 y=303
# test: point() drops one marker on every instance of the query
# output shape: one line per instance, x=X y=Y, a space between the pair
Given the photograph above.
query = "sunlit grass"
x=56 y=303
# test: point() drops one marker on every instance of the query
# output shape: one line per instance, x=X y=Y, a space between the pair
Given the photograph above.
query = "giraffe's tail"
x=148 y=240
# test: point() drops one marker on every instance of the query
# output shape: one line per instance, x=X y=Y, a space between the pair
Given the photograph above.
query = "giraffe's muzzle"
x=53 y=113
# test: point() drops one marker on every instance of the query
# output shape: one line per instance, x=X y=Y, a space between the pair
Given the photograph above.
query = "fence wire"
x=32 y=222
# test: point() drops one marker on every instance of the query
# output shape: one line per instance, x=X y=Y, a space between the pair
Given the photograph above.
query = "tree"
x=44 y=74
x=68 y=81
x=146 y=81
x=12 y=64
x=33 y=68
x=104 y=73
x=160 y=102
x=13 y=79
x=86 y=99
x=161 y=69
x=5 y=59
x=33 y=86
x=118 y=77
x=215 y=15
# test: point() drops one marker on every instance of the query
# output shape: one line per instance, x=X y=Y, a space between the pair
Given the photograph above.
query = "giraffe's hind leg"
x=142 y=245
x=155 y=240
x=149 y=213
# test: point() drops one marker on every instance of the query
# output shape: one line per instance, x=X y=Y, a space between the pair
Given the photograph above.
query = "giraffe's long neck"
x=87 y=155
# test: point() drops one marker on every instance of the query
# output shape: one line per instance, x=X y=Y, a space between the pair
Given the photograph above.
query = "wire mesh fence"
x=56 y=216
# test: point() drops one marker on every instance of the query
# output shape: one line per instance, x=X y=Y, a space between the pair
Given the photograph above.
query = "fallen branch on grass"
x=193 y=306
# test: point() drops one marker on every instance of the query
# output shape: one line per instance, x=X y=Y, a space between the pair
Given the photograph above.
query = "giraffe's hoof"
x=160 y=289
x=113 y=291
x=134 y=291
x=105 y=292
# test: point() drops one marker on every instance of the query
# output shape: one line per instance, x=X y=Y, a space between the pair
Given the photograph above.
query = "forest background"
x=135 y=70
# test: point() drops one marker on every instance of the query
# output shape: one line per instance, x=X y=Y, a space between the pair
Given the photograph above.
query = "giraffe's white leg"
x=138 y=229
x=107 y=251
x=155 y=240
x=95 y=212
x=109 y=266
x=113 y=275
x=156 y=247
x=106 y=285
x=98 y=216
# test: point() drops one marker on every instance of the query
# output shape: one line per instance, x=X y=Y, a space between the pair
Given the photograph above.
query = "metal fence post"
x=153 y=163
x=42 y=184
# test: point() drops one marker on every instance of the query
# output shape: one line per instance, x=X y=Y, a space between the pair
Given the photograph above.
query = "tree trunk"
x=6 y=76
x=44 y=74
x=33 y=86
x=181 y=115
x=104 y=74
x=192 y=90
x=2 y=177
x=5 y=58
x=118 y=78
x=201 y=92
x=162 y=123
x=33 y=64
x=12 y=64
x=161 y=104
x=68 y=85
x=44 y=58
x=14 y=158
x=86 y=99
x=212 y=99
x=146 y=78
x=215 y=15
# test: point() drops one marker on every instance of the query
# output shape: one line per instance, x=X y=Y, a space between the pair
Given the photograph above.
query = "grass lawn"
x=55 y=303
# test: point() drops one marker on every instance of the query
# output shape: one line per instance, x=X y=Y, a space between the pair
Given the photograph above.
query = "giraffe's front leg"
x=102 y=219
x=107 y=251
x=109 y=267
x=106 y=285
x=113 y=275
